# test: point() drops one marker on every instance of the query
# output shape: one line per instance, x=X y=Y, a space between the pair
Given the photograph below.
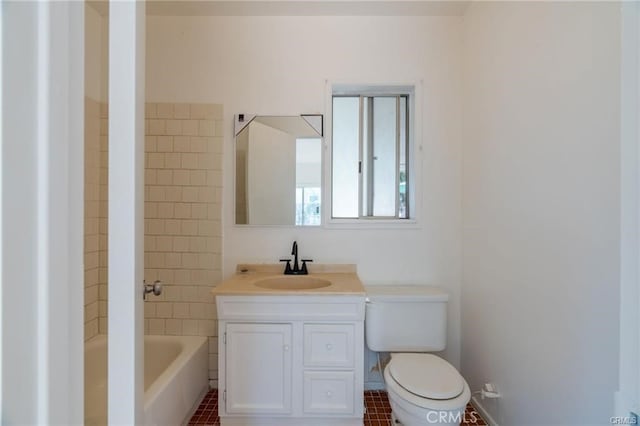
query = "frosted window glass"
x=384 y=156
x=370 y=164
x=403 y=208
x=345 y=152
x=367 y=157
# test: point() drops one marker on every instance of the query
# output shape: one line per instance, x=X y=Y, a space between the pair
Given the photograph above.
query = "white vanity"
x=291 y=347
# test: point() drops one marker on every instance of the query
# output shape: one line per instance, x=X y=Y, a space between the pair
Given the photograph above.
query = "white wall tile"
x=156 y=127
x=182 y=111
x=190 y=127
x=164 y=144
x=164 y=310
x=164 y=110
x=173 y=327
x=181 y=310
x=156 y=326
x=190 y=327
x=182 y=232
x=174 y=127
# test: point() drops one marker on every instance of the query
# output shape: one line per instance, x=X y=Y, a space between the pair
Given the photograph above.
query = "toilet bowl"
x=424 y=389
x=409 y=321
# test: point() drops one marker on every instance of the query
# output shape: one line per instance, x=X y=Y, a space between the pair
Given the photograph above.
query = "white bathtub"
x=175 y=378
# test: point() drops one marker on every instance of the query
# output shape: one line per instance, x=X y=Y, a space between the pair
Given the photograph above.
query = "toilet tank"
x=400 y=318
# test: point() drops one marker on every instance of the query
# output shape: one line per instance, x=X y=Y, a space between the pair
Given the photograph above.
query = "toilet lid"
x=426 y=375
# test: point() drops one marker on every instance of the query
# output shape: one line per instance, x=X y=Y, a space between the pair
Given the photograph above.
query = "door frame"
x=126 y=218
x=42 y=211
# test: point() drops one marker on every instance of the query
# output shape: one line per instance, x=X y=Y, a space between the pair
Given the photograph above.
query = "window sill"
x=371 y=224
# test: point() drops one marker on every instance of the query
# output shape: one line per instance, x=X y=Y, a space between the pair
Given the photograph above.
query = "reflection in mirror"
x=278 y=170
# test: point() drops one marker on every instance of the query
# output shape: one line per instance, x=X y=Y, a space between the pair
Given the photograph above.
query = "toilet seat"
x=426 y=375
x=405 y=395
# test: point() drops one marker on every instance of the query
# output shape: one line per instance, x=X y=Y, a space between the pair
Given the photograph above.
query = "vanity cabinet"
x=291 y=360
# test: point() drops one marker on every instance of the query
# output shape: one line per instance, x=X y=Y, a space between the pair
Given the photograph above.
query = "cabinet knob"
x=329 y=346
x=329 y=394
x=286 y=348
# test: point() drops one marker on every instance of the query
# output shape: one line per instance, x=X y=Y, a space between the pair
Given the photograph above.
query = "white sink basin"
x=292 y=282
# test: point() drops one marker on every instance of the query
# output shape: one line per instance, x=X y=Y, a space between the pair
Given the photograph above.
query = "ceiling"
x=298 y=7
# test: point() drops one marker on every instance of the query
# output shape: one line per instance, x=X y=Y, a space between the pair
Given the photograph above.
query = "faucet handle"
x=304 y=270
x=287 y=269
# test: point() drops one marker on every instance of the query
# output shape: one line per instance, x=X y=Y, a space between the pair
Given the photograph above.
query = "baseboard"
x=374 y=386
x=483 y=412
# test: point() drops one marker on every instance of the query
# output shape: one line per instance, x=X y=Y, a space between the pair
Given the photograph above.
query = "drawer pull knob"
x=329 y=346
x=329 y=394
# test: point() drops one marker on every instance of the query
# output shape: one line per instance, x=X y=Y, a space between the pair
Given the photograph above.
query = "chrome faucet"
x=297 y=269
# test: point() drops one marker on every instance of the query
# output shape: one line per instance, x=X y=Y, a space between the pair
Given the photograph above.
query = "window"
x=370 y=156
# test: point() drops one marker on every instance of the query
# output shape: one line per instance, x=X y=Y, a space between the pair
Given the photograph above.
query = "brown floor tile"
x=378 y=411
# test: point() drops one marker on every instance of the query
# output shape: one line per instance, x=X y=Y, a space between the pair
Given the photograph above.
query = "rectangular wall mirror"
x=278 y=169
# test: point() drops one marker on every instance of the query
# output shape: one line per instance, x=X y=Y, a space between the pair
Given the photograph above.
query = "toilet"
x=409 y=321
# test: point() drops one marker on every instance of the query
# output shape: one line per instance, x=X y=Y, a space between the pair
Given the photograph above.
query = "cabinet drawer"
x=328 y=392
x=329 y=345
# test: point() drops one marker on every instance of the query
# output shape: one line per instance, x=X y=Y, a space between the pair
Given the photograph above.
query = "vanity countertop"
x=344 y=281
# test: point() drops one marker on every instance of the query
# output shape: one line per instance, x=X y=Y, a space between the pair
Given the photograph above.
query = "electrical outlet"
x=489 y=390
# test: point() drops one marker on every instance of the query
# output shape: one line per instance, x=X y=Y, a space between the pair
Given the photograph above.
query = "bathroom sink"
x=288 y=282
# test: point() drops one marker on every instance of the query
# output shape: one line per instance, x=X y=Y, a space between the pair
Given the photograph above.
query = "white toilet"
x=423 y=389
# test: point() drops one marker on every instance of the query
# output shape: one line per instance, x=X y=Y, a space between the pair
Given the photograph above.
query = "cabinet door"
x=258 y=367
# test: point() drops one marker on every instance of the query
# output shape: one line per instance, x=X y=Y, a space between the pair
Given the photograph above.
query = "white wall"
x=628 y=398
x=541 y=209
x=279 y=65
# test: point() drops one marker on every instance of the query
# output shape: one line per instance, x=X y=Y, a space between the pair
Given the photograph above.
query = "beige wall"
x=95 y=51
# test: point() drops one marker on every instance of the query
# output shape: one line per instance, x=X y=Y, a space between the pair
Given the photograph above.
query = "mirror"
x=278 y=169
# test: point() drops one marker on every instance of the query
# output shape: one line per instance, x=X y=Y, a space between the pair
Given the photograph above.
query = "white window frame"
x=414 y=91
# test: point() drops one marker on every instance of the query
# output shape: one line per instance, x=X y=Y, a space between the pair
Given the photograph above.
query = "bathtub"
x=175 y=378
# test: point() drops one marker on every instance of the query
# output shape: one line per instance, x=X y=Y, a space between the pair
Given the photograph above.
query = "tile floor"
x=378 y=411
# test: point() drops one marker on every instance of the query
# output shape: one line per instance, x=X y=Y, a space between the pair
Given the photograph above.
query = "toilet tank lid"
x=405 y=293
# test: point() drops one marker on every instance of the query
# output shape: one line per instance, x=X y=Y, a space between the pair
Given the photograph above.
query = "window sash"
x=366 y=161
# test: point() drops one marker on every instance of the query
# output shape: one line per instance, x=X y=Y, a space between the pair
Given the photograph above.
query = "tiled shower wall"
x=103 y=218
x=183 y=230
x=183 y=193
x=91 y=213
